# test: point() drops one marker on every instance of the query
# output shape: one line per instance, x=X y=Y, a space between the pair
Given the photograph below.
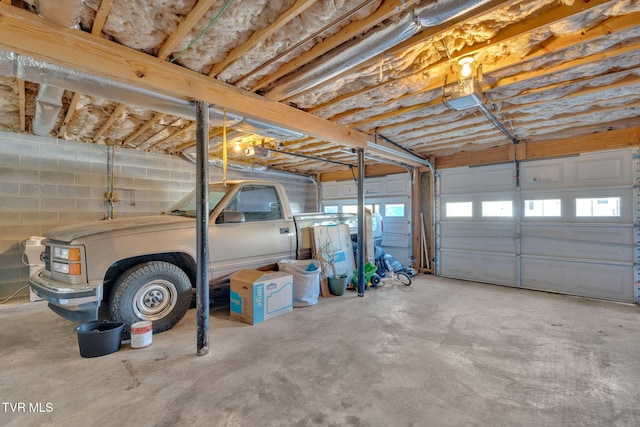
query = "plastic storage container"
x=99 y=338
x=306 y=280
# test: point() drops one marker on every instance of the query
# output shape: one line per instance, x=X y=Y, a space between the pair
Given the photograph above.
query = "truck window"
x=257 y=203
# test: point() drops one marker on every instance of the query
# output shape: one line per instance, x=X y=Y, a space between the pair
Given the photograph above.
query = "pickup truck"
x=132 y=269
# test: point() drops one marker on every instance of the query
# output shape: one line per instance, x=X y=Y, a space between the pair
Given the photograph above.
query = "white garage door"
x=390 y=196
x=567 y=227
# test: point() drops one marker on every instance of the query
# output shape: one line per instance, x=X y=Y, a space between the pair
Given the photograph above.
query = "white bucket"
x=141 y=333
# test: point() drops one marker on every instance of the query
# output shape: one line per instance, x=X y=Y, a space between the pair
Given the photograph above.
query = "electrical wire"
x=14 y=294
x=202 y=33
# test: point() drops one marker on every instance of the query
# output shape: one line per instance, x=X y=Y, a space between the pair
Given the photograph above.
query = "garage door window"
x=601 y=207
x=544 y=208
x=394 y=210
x=459 y=210
x=503 y=208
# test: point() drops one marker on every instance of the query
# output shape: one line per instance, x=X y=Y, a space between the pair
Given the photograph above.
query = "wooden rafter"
x=101 y=17
x=117 y=112
x=149 y=141
x=154 y=120
x=22 y=101
x=385 y=11
x=513 y=31
x=198 y=11
x=260 y=35
x=190 y=127
x=25 y=33
x=71 y=109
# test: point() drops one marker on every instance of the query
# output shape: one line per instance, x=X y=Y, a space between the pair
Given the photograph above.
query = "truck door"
x=252 y=231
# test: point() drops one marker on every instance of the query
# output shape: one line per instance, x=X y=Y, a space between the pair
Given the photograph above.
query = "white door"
x=567 y=227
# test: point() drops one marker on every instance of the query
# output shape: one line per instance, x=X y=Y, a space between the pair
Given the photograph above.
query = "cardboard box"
x=256 y=296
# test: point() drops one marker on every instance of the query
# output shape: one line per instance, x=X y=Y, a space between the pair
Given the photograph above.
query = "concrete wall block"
x=90 y=205
x=59 y=204
x=78 y=216
x=123 y=182
x=9 y=188
x=17 y=147
x=16 y=232
x=134 y=171
x=182 y=176
x=74 y=165
x=39 y=164
x=44 y=218
x=158 y=174
x=11 y=203
x=9 y=218
x=47 y=177
x=74 y=191
x=58 y=151
x=91 y=154
x=12 y=246
x=33 y=190
x=8 y=160
x=91 y=179
x=18 y=175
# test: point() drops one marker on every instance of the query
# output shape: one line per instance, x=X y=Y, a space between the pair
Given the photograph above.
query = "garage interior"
x=501 y=145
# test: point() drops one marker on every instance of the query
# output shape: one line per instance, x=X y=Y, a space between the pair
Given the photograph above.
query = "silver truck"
x=133 y=269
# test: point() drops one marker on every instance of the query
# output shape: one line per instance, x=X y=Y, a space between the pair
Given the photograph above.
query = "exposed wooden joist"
x=154 y=120
x=260 y=35
x=508 y=33
x=30 y=35
x=615 y=139
x=22 y=102
x=151 y=139
x=188 y=128
x=386 y=10
x=198 y=11
x=101 y=17
x=71 y=109
x=117 y=112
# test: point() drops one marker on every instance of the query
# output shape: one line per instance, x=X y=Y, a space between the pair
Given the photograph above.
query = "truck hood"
x=68 y=233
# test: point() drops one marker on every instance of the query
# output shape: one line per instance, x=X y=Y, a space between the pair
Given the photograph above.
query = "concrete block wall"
x=47 y=182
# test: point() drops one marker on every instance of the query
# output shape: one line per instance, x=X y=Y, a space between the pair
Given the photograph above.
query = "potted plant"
x=326 y=254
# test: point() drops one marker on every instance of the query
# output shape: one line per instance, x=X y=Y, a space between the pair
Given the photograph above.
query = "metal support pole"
x=360 y=261
x=202 y=220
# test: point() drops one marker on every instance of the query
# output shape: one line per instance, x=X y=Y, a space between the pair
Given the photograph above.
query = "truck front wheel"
x=157 y=291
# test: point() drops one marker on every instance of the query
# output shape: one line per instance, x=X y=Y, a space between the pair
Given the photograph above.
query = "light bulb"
x=465 y=63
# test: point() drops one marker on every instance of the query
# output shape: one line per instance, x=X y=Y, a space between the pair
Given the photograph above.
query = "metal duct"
x=65 y=13
x=37 y=71
x=375 y=42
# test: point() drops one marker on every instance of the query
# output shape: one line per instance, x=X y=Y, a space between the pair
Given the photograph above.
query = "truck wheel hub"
x=154 y=300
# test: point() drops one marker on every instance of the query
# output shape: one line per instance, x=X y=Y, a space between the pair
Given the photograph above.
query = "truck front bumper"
x=77 y=303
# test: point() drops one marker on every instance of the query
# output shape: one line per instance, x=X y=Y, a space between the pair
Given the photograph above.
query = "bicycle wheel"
x=404 y=279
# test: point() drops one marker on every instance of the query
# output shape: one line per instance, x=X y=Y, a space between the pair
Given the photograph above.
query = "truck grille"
x=47 y=258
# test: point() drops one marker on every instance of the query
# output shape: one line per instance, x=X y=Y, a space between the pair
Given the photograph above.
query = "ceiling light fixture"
x=465 y=64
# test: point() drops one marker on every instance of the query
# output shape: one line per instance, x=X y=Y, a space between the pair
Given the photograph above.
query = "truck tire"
x=157 y=291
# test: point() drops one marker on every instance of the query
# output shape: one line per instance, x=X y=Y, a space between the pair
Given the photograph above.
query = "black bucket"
x=99 y=338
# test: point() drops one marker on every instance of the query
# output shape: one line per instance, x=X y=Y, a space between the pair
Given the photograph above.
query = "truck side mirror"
x=232 y=217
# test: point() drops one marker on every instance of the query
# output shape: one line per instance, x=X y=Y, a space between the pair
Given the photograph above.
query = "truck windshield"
x=187 y=206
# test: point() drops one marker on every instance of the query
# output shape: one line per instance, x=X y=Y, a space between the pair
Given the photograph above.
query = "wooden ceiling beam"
x=147 y=125
x=611 y=140
x=71 y=109
x=198 y=11
x=508 y=33
x=101 y=17
x=117 y=111
x=28 y=34
x=260 y=35
x=386 y=10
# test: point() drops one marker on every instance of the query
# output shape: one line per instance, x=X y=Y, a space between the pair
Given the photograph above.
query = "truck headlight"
x=71 y=254
x=66 y=260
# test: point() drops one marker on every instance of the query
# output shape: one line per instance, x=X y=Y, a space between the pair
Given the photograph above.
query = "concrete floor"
x=440 y=353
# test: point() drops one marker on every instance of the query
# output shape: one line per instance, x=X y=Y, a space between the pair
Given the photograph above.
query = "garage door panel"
x=593 y=243
x=491 y=237
x=596 y=280
x=571 y=230
x=484 y=267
